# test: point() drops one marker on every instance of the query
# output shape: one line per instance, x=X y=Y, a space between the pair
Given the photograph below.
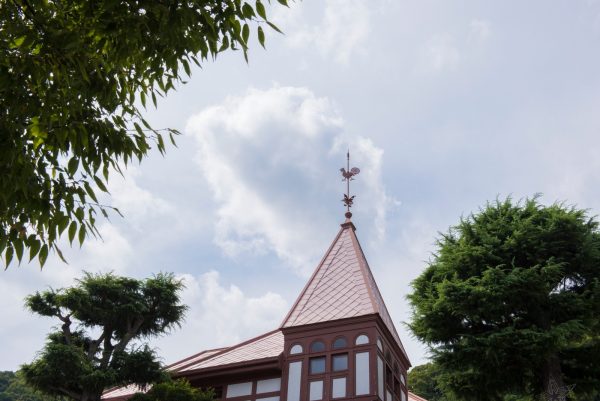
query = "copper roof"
x=268 y=345
x=342 y=286
x=414 y=397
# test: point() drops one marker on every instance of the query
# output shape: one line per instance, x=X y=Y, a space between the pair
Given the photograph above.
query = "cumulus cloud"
x=342 y=32
x=221 y=315
x=271 y=158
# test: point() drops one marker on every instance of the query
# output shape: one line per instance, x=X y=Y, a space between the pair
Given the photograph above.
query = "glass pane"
x=362 y=375
x=379 y=345
x=317 y=346
x=388 y=395
x=380 y=374
x=403 y=395
x=268 y=399
x=362 y=339
x=338 y=387
x=268 y=385
x=239 y=389
x=296 y=349
x=340 y=362
x=340 y=343
x=316 y=391
x=294 y=376
x=317 y=365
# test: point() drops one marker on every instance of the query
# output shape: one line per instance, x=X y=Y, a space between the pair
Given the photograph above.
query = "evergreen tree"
x=510 y=302
x=103 y=318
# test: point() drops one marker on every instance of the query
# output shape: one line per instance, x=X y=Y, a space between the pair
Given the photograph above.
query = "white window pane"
x=268 y=399
x=316 y=391
x=402 y=379
x=379 y=345
x=294 y=376
x=380 y=377
x=338 y=387
x=296 y=349
x=388 y=395
x=362 y=375
x=239 y=389
x=362 y=339
x=403 y=394
x=269 y=385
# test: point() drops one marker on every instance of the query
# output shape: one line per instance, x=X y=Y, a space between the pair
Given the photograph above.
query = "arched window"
x=317 y=346
x=340 y=342
x=362 y=339
x=296 y=349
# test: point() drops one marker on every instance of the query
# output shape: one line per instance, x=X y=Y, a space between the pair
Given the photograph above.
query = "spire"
x=348 y=173
x=341 y=287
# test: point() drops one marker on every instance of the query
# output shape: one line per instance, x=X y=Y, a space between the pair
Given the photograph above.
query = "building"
x=338 y=341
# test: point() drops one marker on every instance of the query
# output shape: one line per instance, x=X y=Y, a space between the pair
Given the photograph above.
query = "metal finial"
x=348 y=175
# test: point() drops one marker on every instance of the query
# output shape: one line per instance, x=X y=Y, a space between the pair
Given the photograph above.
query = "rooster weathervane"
x=348 y=176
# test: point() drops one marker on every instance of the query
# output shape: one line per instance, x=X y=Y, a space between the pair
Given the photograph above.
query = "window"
x=362 y=375
x=239 y=389
x=362 y=339
x=403 y=395
x=402 y=379
x=380 y=374
x=388 y=395
x=388 y=355
x=294 y=376
x=315 y=391
x=339 y=362
x=276 y=398
x=296 y=349
x=379 y=344
x=268 y=385
x=317 y=365
x=340 y=343
x=338 y=387
x=317 y=346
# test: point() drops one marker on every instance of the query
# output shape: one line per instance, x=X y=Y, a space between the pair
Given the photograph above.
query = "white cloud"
x=341 y=33
x=221 y=315
x=480 y=30
x=266 y=156
x=439 y=54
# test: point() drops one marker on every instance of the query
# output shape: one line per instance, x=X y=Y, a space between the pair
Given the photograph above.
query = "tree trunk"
x=554 y=386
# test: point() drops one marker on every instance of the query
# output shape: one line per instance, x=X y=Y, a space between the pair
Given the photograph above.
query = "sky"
x=444 y=105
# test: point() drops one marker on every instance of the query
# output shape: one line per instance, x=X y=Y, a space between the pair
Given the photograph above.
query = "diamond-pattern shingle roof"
x=342 y=286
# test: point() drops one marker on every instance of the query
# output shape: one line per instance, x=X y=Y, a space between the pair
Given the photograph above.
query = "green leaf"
x=283 y=2
x=90 y=191
x=18 y=244
x=73 y=165
x=43 y=255
x=100 y=184
x=261 y=36
x=245 y=33
x=260 y=9
x=8 y=255
x=274 y=27
x=82 y=233
x=34 y=248
x=72 y=231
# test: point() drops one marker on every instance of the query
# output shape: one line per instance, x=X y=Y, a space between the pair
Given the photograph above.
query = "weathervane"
x=348 y=174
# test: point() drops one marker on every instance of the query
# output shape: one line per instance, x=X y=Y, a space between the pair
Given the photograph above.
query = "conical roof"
x=342 y=286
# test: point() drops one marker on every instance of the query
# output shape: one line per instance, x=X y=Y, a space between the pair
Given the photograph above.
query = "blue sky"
x=444 y=104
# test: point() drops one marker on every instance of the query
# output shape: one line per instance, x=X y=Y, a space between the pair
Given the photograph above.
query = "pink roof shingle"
x=342 y=286
x=266 y=346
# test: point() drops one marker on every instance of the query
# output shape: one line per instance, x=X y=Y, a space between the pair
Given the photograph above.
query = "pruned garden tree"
x=74 y=79
x=175 y=390
x=510 y=302
x=99 y=343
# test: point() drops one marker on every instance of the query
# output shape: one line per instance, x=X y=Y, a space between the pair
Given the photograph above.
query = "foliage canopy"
x=177 y=390
x=121 y=311
x=72 y=77
x=511 y=301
